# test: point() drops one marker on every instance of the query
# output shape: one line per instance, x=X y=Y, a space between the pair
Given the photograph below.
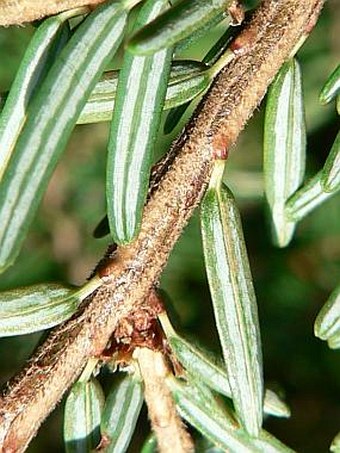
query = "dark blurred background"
x=291 y=284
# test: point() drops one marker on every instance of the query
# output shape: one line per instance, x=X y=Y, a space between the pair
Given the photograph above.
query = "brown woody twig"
x=261 y=49
x=16 y=12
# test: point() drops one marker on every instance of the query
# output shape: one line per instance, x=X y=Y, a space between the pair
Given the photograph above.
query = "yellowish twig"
x=166 y=424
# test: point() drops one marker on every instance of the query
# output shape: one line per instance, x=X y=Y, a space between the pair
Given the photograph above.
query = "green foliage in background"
x=50 y=208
